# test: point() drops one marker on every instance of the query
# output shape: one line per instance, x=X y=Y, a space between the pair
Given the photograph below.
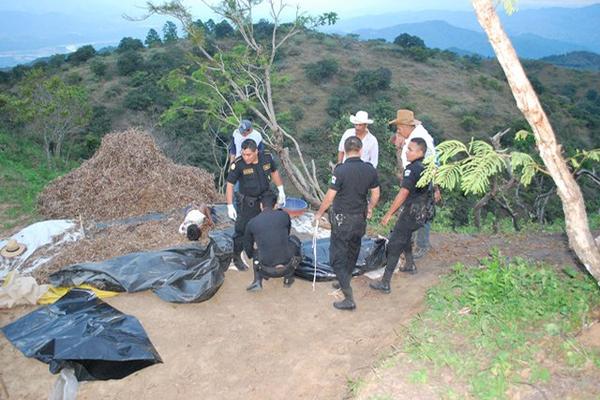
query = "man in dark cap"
x=350 y=184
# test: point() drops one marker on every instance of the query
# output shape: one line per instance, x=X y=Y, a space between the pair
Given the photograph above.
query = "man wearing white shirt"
x=243 y=132
x=408 y=128
x=370 y=149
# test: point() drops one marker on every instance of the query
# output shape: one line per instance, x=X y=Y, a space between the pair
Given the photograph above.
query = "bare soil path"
x=277 y=344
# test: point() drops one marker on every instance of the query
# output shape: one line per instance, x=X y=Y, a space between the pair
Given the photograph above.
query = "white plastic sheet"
x=35 y=236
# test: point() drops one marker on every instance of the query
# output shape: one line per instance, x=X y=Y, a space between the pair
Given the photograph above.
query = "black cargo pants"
x=347 y=231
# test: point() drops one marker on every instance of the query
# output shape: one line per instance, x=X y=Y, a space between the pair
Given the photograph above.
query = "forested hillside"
x=64 y=105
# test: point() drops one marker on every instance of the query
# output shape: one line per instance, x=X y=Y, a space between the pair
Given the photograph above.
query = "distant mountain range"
x=578 y=60
x=535 y=33
x=442 y=35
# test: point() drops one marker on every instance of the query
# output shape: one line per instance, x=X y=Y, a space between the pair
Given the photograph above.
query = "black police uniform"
x=352 y=181
x=255 y=180
x=277 y=253
x=400 y=239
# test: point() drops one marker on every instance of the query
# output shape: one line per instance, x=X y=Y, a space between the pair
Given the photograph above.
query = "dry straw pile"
x=127 y=176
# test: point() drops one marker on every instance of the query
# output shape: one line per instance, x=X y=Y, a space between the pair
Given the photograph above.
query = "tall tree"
x=577 y=226
x=242 y=79
x=170 y=32
x=152 y=38
x=54 y=110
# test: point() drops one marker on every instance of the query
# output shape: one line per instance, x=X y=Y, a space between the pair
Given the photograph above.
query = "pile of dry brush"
x=127 y=176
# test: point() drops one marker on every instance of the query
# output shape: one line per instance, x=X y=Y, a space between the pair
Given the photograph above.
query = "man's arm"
x=329 y=196
x=229 y=193
x=375 y=193
x=374 y=156
x=276 y=178
x=340 y=157
x=398 y=201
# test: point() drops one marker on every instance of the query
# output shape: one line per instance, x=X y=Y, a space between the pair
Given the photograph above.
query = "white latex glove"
x=280 y=197
x=231 y=212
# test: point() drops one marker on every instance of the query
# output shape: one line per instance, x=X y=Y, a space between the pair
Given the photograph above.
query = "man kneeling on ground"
x=277 y=254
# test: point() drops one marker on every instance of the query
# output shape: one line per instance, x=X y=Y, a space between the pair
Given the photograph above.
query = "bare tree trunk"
x=578 y=232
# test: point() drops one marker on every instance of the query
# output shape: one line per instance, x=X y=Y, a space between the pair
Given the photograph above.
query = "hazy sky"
x=345 y=8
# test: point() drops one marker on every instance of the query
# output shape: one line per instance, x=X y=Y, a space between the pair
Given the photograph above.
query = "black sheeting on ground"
x=185 y=274
x=371 y=257
x=83 y=332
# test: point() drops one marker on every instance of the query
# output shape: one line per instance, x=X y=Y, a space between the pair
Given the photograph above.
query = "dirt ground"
x=275 y=344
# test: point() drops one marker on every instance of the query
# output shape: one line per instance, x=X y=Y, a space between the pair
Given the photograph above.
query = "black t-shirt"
x=352 y=181
x=254 y=179
x=270 y=230
x=412 y=174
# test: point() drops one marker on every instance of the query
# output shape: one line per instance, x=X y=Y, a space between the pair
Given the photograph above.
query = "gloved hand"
x=280 y=197
x=231 y=212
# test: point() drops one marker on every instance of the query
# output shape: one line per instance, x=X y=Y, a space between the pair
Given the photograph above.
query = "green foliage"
x=129 y=62
x=152 y=39
x=23 y=174
x=409 y=41
x=170 y=32
x=487 y=325
x=98 y=67
x=321 y=71
x=370 y=81
x=129 y=44
x=223 y=29
x=82 y=54
x=469 y=122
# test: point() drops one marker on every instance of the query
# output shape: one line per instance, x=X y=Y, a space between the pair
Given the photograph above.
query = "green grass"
x=488 y=325
x=23 y=175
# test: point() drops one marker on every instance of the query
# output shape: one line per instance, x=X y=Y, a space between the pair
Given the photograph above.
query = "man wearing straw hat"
x=407 y=129
x=370 y=146
x=347 y=196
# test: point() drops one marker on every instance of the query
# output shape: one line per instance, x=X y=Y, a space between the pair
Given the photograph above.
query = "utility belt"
x=279 y=270
x=250 y=201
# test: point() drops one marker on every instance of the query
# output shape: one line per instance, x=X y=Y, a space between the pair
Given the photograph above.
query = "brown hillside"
x=127 y=176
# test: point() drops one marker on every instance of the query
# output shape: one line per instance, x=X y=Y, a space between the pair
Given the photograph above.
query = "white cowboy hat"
x=12 y=249
x=361 y=117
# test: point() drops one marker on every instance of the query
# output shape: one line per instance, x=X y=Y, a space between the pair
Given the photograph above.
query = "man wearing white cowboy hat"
x=407 y=129
x=12 y=249
x=370 y=149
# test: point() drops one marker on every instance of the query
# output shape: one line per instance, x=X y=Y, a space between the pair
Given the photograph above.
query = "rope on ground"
x=314 y=246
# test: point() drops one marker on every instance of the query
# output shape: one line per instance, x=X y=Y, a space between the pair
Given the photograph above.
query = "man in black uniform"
x=413 y=199
x=350 y=184
x=277 y=254
x=254 y=170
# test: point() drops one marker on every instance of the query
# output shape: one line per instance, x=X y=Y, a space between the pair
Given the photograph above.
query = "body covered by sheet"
x=82 y=332
x=191 y=273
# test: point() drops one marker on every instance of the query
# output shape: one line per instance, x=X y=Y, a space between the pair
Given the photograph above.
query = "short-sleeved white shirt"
x=370 y=149
x=238 y=139
x=192 y=217
x=418 y=132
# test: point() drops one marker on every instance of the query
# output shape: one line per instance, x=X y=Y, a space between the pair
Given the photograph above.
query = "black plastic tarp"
x=82 y=332
x=371 y=257
x=191 y=273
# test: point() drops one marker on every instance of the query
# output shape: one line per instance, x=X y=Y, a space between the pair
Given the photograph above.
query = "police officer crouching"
x=347 y=194
x=277 y=254
x=254 y=171
x=413 y=199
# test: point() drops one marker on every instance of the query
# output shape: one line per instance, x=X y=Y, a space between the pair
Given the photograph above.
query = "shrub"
x=409 y=41
x=321 y=70
x=129 y=62
x=339 y=98
x=98 y=67
x=82 y=54
x=469 y=122
x=129 y=44
x=370 y=81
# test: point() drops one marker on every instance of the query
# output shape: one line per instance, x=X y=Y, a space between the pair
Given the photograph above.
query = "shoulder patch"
x=407 y=172
x=333 y=179
x=232 y=166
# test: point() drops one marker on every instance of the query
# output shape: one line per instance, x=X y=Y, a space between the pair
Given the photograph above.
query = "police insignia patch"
x=333 y=180
x=407 y=172
x=232 y=166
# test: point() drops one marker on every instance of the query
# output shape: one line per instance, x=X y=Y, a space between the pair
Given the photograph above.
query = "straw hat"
x=12 y=249
x=361 y=117
x=405 y=117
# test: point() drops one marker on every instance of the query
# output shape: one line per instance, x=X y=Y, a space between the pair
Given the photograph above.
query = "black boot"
x=384 y=284
x=348 y=302
x=409 y=264
x=256 y=284
x=239 y=263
